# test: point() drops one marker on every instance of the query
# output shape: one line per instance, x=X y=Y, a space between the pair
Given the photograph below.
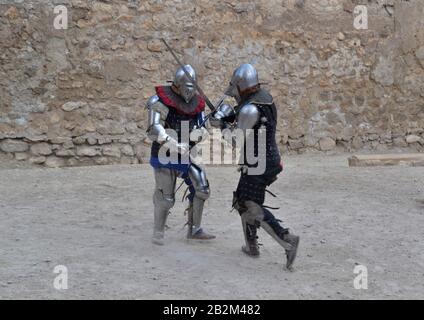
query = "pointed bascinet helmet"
x=244 y=77
x=186 y=87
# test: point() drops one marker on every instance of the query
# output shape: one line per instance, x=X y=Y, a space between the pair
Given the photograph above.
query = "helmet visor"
x=187 y=91
x=231 y=91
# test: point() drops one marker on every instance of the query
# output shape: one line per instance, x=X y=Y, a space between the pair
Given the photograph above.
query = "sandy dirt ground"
x=97 y=221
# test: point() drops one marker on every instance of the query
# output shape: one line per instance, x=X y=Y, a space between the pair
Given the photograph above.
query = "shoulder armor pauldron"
x=267 y=103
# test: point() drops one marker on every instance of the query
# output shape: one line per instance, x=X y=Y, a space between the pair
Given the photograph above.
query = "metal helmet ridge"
x=185 y=86
x=244 y=77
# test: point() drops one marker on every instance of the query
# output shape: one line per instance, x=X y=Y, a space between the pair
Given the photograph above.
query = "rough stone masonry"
x=76 y=96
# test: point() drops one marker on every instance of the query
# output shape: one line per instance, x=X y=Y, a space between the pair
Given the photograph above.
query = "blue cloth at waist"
x=181 y=167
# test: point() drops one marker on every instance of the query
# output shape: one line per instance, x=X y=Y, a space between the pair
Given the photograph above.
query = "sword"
x=208 y=102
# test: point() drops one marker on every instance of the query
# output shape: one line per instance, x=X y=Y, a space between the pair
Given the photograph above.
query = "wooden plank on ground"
x=367 y=160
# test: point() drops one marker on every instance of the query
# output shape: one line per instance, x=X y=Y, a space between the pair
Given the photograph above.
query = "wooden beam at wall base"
x=370 y=160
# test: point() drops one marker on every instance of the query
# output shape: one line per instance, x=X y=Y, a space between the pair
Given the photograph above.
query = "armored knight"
x=255 y=111
x=170 y=108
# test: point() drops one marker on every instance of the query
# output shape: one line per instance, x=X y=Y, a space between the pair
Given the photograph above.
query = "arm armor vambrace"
x=156 y=119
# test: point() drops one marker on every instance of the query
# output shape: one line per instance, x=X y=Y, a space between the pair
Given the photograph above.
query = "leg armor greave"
x=250 y=236
x=163 y=203
x=163 y=200
x=272 y=226
x=201 y=194
x=250 y=226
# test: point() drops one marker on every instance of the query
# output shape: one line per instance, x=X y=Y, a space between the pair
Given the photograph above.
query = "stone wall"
x=76 y=96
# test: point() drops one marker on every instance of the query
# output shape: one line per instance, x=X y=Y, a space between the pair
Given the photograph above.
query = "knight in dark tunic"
x=255 y=113
x=174 y=107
